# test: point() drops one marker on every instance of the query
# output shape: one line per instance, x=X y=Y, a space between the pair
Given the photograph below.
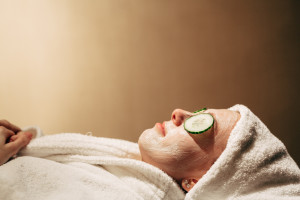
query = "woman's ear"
x=188 y=183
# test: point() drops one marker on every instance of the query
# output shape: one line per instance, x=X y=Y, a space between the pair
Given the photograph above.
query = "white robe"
x=74 y=166
x=254 y=165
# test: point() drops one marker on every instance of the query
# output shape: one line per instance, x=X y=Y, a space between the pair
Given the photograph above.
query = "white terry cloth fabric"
x=254 y=166
x=75 y=166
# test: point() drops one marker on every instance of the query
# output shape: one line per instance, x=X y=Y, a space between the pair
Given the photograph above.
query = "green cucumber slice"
x=199 y=123
x=202 y=109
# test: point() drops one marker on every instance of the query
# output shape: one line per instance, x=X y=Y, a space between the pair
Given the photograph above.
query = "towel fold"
x=254 y=165
x=75 y=166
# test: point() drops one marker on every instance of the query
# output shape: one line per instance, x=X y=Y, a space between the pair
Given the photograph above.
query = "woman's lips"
x=161 y=128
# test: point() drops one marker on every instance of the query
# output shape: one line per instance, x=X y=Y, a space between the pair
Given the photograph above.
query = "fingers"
x=9 y=126
x=5 y=134
x=7 y=150
x=18 y=142
x=13 y=138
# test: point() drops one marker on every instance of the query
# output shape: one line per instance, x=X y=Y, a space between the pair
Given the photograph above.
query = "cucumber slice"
x=199 y=123
x=202 y=109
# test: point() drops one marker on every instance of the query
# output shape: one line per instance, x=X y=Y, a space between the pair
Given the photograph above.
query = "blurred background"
x=116 y=67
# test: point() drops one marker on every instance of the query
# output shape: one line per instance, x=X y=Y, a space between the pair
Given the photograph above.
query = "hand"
x=12 y=139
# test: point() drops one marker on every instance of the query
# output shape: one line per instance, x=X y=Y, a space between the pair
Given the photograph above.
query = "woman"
x=238 y=158
x=171 y=148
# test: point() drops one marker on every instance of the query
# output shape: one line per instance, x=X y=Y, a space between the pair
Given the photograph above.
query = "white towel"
x=74 y=166
x=255 y=165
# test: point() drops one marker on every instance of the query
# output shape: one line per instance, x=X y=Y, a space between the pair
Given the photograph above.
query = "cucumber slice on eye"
x=202 y=109
x=199 y=123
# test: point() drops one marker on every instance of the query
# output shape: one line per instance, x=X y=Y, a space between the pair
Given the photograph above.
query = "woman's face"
x=171 y=148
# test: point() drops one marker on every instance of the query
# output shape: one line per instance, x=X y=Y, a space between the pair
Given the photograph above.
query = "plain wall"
x=116 y=67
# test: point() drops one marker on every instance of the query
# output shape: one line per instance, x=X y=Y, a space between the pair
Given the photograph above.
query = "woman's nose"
x=178 y=116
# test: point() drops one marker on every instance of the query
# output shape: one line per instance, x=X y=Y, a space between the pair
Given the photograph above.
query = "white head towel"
x=255 y=165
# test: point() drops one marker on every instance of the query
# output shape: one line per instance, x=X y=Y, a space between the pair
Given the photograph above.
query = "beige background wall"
x=115 y=67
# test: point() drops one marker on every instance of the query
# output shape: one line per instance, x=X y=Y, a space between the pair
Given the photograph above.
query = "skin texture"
x=184 y=156
x=12 y=139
